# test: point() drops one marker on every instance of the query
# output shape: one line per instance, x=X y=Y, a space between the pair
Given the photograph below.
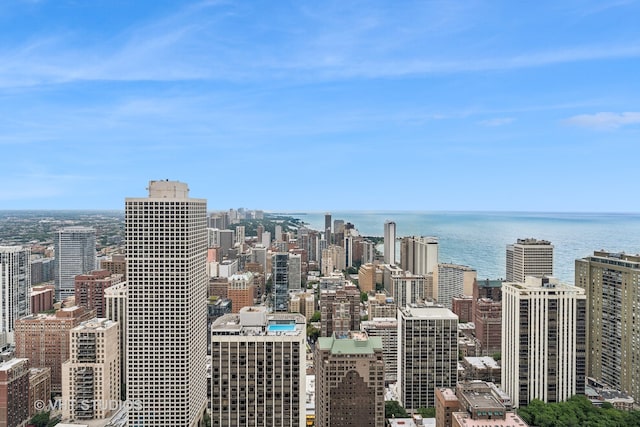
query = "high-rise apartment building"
x=91 y=376
x=387 y=330
x=241 y=291
x=327 y=228
x=14 y=392
x=75 y=249
x=367 y=277
x=529 y=257
x=39 y=388
x=167 y=312
x=303 y=303
x=295 y=272
x=454 y=280
x=89 y=289
x=543 y=340
x=258 y=369
x=427 y=354
x=15 y=289
x=612 y=284
x=339 y=310
x=280 y=281
x=389 y=242
x=486 y=312
x=116 y=310
x=419 y=255
x=407 y=288
x=349 y=370
x=44 y=339
x=115 y=264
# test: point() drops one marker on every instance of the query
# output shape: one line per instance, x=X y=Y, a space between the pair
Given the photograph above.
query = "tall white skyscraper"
x=166 y=315
x=389 y=242
x=15 y=289
x=75 y=254
x=419 y=255
x=529 y=257
x=543 y=340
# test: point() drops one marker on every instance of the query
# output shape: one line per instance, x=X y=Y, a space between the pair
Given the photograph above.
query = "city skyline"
x=514 y=108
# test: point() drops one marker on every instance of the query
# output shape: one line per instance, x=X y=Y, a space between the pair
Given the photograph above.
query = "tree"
x=41 y=419
x=427 y=412
x=315 y=317
x=364 y=297
x=392 y=409
x=313 y=333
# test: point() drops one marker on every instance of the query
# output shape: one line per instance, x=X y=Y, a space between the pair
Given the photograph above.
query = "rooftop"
x=350 y=343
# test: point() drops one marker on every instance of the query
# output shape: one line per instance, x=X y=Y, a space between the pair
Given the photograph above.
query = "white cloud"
x=604 y=120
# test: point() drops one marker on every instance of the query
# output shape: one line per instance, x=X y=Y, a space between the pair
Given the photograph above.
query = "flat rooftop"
x=511 y=420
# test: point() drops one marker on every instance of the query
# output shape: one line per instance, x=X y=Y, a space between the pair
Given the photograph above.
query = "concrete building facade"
x=91 y=376
x=543 y=340
x=258 y=369
x=427 y=354
x=167 y=306
x=15 y=290
x=529 y=257
x=612 y=284
x=75 y=249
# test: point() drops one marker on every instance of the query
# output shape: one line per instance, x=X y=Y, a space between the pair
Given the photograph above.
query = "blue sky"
x=331 y=105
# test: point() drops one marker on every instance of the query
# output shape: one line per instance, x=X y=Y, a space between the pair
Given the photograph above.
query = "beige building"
x=367 y=277
x=387 y=330
x=612 y=285
x=116 y=303
x=303 y=303
x=44 y=339
x=529 y=257
x=453 y=280
x=167 y=306
x=349 y=370
x=381 y=305
x=258 y=369
x=543 y=340
x=91 y=376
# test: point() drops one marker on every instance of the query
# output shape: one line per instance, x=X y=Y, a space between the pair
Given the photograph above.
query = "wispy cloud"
x=604 y=120
x=499 y=121
x=204 y=42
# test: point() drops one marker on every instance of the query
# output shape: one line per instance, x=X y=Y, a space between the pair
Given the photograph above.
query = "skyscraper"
x=389 y=242
x=327 y=228
x=349 y=371
x=75 y=249
x=543 y=340
x=258 y=369
x=427 y=354
x=612 y=285
x=454 y=280
x=419 y=255
x=15 y=289
x=166 y=314
x=529 y=257
x=280 y=282
x=91 y=375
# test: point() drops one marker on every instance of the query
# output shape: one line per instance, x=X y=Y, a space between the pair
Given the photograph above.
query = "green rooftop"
x=350 y=343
